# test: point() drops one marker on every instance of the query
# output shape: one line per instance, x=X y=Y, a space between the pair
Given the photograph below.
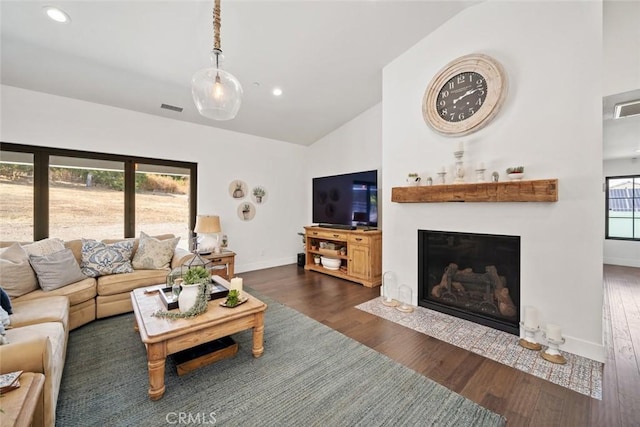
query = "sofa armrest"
x=180 y=257
x=30 y=355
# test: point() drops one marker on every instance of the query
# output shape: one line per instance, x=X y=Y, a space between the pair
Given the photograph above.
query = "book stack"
x=9 y=381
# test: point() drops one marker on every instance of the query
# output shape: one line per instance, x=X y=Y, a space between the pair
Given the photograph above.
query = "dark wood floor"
x=523 y=399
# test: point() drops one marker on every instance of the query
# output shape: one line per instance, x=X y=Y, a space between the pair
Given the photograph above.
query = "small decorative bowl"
x=515 y=176
x=331 y=263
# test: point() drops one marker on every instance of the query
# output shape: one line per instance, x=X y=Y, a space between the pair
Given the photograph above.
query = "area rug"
x=579 y=373
x=309 y=375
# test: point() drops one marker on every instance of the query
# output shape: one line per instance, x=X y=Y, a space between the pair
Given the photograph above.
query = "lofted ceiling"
x=326 y=56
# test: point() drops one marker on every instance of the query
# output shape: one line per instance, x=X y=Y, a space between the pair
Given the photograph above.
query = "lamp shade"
x=206 y=224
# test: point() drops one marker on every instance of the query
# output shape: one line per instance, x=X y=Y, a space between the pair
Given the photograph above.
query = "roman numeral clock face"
x=461 y=97
x=465 y=95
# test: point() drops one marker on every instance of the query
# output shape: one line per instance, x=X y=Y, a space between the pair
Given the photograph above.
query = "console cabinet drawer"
x=329 y=235
x=359 y=240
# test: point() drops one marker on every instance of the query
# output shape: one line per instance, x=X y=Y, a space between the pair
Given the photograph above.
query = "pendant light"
x=216 y=92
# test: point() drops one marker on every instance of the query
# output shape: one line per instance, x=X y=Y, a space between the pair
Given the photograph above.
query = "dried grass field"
x=78 y=211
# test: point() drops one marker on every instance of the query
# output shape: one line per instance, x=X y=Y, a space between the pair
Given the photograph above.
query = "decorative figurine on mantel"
x=459 y=179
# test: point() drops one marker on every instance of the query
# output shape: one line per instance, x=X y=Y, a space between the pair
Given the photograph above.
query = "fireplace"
x=472 y=276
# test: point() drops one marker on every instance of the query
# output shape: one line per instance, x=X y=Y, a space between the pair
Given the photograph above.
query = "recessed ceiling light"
x=277 y=91
x=56 y=14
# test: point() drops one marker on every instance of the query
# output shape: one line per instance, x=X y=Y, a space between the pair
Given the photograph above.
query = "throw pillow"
x=57 y=269
x=153 y=253
x=44 y=247
x=5 y=302
x=5 y=320
x=100 y=259
x=17 y=275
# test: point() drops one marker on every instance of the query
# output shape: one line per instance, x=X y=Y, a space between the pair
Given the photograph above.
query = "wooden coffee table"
x=163 y=337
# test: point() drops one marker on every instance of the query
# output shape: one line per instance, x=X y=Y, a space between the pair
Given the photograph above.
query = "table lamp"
x=207 y=227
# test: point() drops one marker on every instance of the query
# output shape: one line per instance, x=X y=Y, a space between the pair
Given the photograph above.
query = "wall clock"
x=465 y=95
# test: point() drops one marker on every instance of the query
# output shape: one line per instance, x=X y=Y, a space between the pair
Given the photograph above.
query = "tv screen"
x=350 y=199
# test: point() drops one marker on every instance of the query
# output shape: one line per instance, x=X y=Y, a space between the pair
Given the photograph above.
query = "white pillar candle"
x=460 y=146
x=443 y=169
x=530 y=317
x=236 y=283
x=481 y=165
x=554 y=332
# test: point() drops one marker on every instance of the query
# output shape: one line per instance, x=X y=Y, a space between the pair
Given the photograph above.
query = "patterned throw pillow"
x=100 y=259
x=44 y=247
x=153 y=253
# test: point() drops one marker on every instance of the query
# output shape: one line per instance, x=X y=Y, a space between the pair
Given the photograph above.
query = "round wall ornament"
x=465 y=95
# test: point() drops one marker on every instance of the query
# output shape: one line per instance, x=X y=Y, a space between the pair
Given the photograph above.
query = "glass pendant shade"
x=216 y=93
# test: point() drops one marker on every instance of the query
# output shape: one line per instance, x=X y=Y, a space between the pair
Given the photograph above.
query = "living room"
x=549 y=122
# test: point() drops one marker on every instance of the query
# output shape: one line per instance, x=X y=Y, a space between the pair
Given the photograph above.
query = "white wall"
x=621 y=252
x=270 y=239
x=621 y=41
x=355 y=146
x=549 y=124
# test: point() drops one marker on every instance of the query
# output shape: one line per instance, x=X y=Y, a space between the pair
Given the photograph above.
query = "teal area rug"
x=309 y=375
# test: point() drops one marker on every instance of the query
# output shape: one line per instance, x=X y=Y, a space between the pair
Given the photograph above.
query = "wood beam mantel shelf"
x=541 y=190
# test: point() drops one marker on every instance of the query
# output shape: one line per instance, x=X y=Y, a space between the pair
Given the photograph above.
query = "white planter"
x=188 y=297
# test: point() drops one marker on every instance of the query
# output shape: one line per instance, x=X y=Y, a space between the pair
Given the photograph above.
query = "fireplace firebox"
x=472 y=276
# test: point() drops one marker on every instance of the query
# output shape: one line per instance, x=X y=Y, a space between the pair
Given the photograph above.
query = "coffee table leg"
x=156 y=357
x=258 y=335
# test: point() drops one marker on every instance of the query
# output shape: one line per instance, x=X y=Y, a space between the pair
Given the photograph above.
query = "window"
x=16 y=196
x=69 y=194
x=623 y=207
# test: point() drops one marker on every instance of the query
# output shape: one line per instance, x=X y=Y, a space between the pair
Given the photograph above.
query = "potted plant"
x=238 y=193
x=515 y=172
x=246 y=209
x=316 y=259
x=258 y=193
x=413 y=178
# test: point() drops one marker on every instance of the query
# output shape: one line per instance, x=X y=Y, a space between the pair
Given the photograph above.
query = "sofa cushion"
x=99 y=259
x=76 y=292
x=31 y=312
x=17 y=275
x=5 y=301
x=154 y=253
x=56 y=270
x=44 y=247
x=124 y=283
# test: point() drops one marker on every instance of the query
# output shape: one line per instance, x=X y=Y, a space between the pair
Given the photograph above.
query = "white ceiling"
x=327 y=56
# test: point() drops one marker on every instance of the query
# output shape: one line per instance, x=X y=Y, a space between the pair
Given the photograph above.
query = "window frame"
x=41 y=156
x=635 y=204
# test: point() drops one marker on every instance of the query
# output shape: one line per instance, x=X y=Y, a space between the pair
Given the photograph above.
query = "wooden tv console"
x=362 y=262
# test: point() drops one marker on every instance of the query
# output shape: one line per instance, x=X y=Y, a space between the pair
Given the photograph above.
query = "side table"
x=20 y=405
x=224 y=258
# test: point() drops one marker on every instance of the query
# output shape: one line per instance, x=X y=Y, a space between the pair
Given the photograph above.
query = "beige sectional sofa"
x=104 y=296
x=41 y=320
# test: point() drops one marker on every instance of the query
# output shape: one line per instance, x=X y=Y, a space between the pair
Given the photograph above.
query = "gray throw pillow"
x=153 y=253
x=56 y=270
x=16 y=273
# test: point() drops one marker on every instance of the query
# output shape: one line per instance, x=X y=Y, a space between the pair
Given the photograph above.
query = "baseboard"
x=583 y=348
x=239 y=268
x=625 y=262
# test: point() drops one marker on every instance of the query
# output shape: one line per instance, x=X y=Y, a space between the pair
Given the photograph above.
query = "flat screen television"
x=348 y=200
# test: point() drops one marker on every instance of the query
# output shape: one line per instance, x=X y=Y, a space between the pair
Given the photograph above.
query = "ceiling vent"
x=626 y=109
x=172 y=108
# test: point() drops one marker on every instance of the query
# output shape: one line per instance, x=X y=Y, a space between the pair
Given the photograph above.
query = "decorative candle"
x=480 y=165
x=554 y=332
x=460 y=146
x=236 y=283
x=530 y=317
x=443 y=169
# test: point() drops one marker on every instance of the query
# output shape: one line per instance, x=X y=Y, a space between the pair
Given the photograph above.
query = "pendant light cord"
x=216 y=30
